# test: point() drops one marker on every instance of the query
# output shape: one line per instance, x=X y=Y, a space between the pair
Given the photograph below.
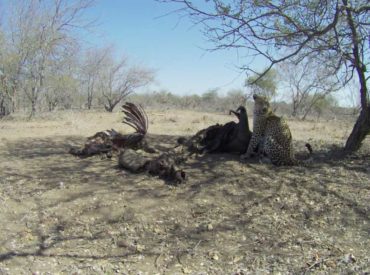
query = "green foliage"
x=266 y=85
x=318 y=104
x=223 y=8
x=324 y=103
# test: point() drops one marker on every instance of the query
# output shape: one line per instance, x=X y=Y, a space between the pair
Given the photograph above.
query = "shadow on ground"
x=65 y=214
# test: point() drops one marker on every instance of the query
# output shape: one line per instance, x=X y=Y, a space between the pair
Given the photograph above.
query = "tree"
x=8 y=84
x=3 y=88
x=90 y=70
x=190 y=101
x=209 y=99
x=265 y=85
x=41 y=32
x=163 y=97
x=118 y=79
x=5 y=97
x=210 y=96
x=352 y=98
x=306 y=83
x=235 y=98
x=6 y=91
x=334 y=32
x=323 y=103
x=60 y=87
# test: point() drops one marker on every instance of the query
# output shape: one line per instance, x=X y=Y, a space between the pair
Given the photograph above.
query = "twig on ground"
x=315 y=264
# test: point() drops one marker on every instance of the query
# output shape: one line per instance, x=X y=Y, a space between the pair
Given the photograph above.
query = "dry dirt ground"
x=64 y=215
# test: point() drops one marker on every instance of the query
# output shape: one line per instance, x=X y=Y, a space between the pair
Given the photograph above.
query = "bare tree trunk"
x=33 y=98
x=3 y=111
x=52 y=105
x=109 y=108
x=113 y=101
x=359 y=132
x=308 y=110
x=33 y=108
x=296 y=102
x=362 y=125
x=89 y=101
x=90 y=92
x=111 y=105
x=294 y=111
x=6 y=106
x=14 y=99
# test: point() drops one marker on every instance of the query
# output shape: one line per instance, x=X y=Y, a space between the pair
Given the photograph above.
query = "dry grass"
x=177 y=122
x=64 y=215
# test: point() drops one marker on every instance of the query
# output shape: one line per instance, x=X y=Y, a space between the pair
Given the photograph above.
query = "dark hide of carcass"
x=130 y=157
x=106 y=142
x=164 y=166
x=232 y=137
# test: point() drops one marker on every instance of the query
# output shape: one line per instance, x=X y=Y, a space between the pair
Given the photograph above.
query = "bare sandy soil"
x=61 y=214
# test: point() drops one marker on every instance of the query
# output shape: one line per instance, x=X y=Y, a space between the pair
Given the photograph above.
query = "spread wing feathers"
x=106 y=141
x=136 y=117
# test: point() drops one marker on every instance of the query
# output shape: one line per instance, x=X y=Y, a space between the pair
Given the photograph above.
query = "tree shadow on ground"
x=234 y=198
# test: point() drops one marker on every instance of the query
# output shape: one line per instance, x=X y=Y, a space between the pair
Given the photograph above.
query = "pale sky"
x=174 y=47
x=151 y=34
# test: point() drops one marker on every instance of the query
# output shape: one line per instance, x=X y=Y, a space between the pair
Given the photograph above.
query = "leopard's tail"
x=309 y=148
x=308 y=160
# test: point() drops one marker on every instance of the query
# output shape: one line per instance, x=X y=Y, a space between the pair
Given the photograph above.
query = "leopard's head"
x=261 y=106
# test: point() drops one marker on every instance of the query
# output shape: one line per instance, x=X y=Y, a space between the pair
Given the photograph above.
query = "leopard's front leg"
x=253 y=146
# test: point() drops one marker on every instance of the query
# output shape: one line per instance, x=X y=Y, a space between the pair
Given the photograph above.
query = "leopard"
x=271 y=138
